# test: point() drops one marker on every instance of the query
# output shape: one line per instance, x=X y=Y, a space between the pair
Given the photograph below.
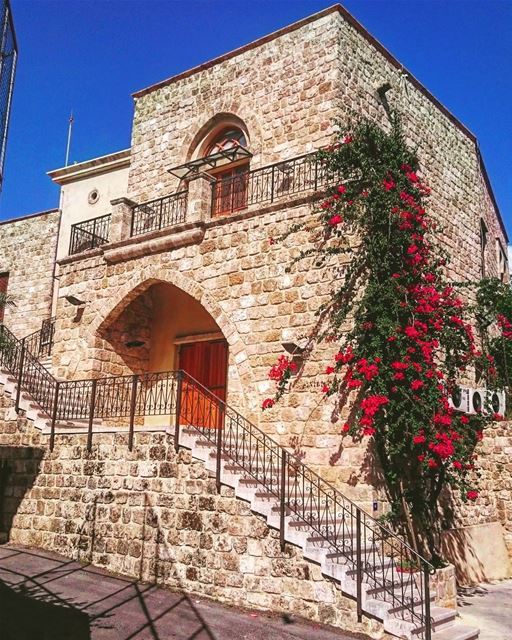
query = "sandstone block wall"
x=27 y=252
x=494 y=472
x=156 y=516
x=286 y=93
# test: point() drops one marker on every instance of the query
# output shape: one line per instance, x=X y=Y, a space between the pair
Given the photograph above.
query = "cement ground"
x=44 y=596
x=488 y=607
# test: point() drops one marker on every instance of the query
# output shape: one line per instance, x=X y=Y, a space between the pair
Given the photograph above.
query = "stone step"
x=457 y=632
x=442 y=619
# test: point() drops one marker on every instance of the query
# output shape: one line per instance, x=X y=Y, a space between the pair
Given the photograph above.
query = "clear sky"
x=90 y=55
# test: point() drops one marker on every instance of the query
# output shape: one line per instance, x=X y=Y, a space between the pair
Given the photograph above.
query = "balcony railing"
x=160 y=213
x=89 y=234
x=267 y=184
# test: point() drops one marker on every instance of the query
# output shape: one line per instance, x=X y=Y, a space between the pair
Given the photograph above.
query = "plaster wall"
x=75 y=201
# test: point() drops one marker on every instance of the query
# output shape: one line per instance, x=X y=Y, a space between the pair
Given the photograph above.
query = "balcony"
x=269 y=184
x=187 y=210
x=158 y=214
x=89 y=234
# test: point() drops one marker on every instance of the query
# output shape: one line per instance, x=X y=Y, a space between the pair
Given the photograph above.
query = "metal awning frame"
x=194 y=168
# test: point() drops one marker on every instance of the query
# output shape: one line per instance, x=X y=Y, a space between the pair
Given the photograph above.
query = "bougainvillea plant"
x=411 y=337
x=494 y=315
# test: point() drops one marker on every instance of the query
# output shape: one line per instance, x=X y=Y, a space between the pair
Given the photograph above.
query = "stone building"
x=159 y=260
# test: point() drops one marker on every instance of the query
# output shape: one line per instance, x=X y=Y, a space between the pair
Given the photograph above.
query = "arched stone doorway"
x=159 y=328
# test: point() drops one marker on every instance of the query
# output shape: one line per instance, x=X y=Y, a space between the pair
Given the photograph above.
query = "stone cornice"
x=95 y=166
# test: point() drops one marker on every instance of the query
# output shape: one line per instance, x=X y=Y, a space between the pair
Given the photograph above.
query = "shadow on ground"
x=44 y=597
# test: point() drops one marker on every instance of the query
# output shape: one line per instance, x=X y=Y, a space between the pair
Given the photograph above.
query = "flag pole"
x=70 y=128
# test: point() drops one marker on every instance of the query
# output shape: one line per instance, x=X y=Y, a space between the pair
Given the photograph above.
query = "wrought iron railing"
x=89 y=234
x=267 y=184
x=160 y=213
x=369 y=552
x=40 y=342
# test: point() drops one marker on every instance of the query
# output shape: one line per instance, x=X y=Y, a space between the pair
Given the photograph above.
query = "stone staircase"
x=356 y=559
x=317 y=548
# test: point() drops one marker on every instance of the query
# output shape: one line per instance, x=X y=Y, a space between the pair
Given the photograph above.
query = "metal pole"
x=282 y=501
x=428 y=621
x=54 y=415
x=20 y=376
x=359 y=567
x=272 y=184
x=214 y=199
x=91 y=414
x=68 y=146
x=219 y=448
x=179 y=388
x=133 y=404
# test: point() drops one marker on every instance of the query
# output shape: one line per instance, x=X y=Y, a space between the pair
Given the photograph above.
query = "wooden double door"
x=207 y=362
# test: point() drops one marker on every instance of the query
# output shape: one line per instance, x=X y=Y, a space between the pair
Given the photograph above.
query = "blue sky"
x=90 y=55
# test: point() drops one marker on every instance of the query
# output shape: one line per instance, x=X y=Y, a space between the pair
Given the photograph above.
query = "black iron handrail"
x=89 y=234
x=394 y=572
x=40 y=343
x=160 y=213
x=267 y=184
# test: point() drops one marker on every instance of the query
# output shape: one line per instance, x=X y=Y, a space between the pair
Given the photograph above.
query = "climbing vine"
x=411 y=338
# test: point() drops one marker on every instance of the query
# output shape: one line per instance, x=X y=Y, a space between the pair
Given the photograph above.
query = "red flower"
x=268 y=403
x=345 y=427
x=421 y=457
x=419 y=439
x=335 y=220
x=417 y=384
x=432 y=463
x=472 y=495
x=347 y=139
x=329 y=370
x=457 y=464
x=325 y=388
x=388 y=184
x=341 y=189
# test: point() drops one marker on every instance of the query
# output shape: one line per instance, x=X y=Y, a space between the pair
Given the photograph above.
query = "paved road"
x=489 y=607
x=44 y=596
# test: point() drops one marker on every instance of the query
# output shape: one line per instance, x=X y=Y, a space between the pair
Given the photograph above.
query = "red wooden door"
x=207 y=362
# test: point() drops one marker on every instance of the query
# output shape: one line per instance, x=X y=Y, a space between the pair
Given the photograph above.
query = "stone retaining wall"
x=156 y=516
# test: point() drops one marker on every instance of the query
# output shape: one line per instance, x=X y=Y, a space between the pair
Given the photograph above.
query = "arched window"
x=227 y=139
x=230 y=191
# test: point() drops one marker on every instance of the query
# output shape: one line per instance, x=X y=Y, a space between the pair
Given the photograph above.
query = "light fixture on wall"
x=295 y=351
x=75 y=301
x=133 y=344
